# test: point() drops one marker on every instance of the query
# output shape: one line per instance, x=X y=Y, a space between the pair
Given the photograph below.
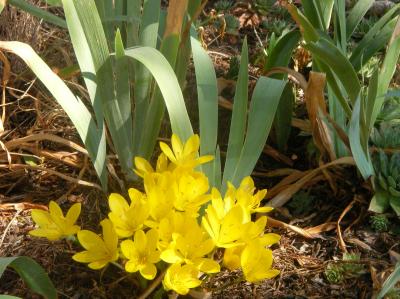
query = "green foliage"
x=390 y=109
x=379 y=223
x=32 y=274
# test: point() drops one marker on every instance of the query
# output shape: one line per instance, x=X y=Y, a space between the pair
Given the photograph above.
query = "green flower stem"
x=153 y=286
x=118 y=265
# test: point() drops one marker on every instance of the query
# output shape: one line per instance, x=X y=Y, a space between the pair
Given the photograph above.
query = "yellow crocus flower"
x=191 y=247
x=53 y=225
x=185 y=155
x=99 y=251
x=181 y=278
x=142 y=253
x=256 y=262
x=127 y=219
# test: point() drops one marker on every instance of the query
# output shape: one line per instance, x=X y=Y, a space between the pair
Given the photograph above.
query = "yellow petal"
x=128 y=249
x=50 y=234
x=131 y=266
x=135 y=195
x=90 y=241
x=55 y=210
x=171 y=256
x=41 y=218
x=140 y=240
x=109 y=235
x=270 y=239
x=177 y=146
x=142 y=166
x=192 y=145
x=207 y=265
x=73 y=213
x=117 y=203
x=149 y=271
x=167 y=151
x=204 y=159
x=96 y=265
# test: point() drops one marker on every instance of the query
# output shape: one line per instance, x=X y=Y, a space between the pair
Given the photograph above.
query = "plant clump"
x=164 y=226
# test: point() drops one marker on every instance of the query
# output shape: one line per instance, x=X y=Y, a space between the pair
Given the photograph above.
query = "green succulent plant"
x=379 y=223
x=232 y=24
x=387 y=182
x=391 y=108
x=387 y=135
x=337 y=272
x=334 y=274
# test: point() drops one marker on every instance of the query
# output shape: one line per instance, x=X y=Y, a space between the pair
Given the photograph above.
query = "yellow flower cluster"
x=161 y=224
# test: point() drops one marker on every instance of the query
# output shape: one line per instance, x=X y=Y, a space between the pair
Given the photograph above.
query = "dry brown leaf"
x=175 y=16
x=279 y=224
x=316 y=108
x=284 y=196
x=276 y=155
x=325 y=227
x=6 y=77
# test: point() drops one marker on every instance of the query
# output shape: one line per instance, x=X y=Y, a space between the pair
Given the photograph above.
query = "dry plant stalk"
x=176 y=13
x=316 y=107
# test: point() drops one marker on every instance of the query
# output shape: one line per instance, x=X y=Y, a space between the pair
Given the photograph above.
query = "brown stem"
x=189 y=23
x=153 y=286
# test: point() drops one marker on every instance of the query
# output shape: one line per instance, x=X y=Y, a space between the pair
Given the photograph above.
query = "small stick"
x=153 y=286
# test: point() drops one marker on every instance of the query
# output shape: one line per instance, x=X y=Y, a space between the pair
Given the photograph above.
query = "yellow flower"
x=252 y=231
x=256 y=262
x=128 y=218
x=189 y=191
x=184 y=155
x=53 y=225
x=99 y=251
x=232 y=257
x=159 y=196
x=175 y=222
x=143 y=167
x=181 y=278
x=225 y=232
x=245 y=196
x=191 y=247
x=142 y=253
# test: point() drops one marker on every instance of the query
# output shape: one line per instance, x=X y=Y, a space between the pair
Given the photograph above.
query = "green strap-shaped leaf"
x=282 y=52
x=168 y=84
x=207 y=97
x=38 y=12
x=356 y=15
x=327 y=52
x=390 y=282
x=9 y=297
x=263 y=106
x=32 y=273
x=375 y=39
x=359 y=149
x=147 y=37
x=80 y=116
x=239 y=118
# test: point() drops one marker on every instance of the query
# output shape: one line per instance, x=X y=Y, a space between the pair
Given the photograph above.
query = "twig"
x=153 y=286
x=56 y=173
x=8 y=227
x=339 y=231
